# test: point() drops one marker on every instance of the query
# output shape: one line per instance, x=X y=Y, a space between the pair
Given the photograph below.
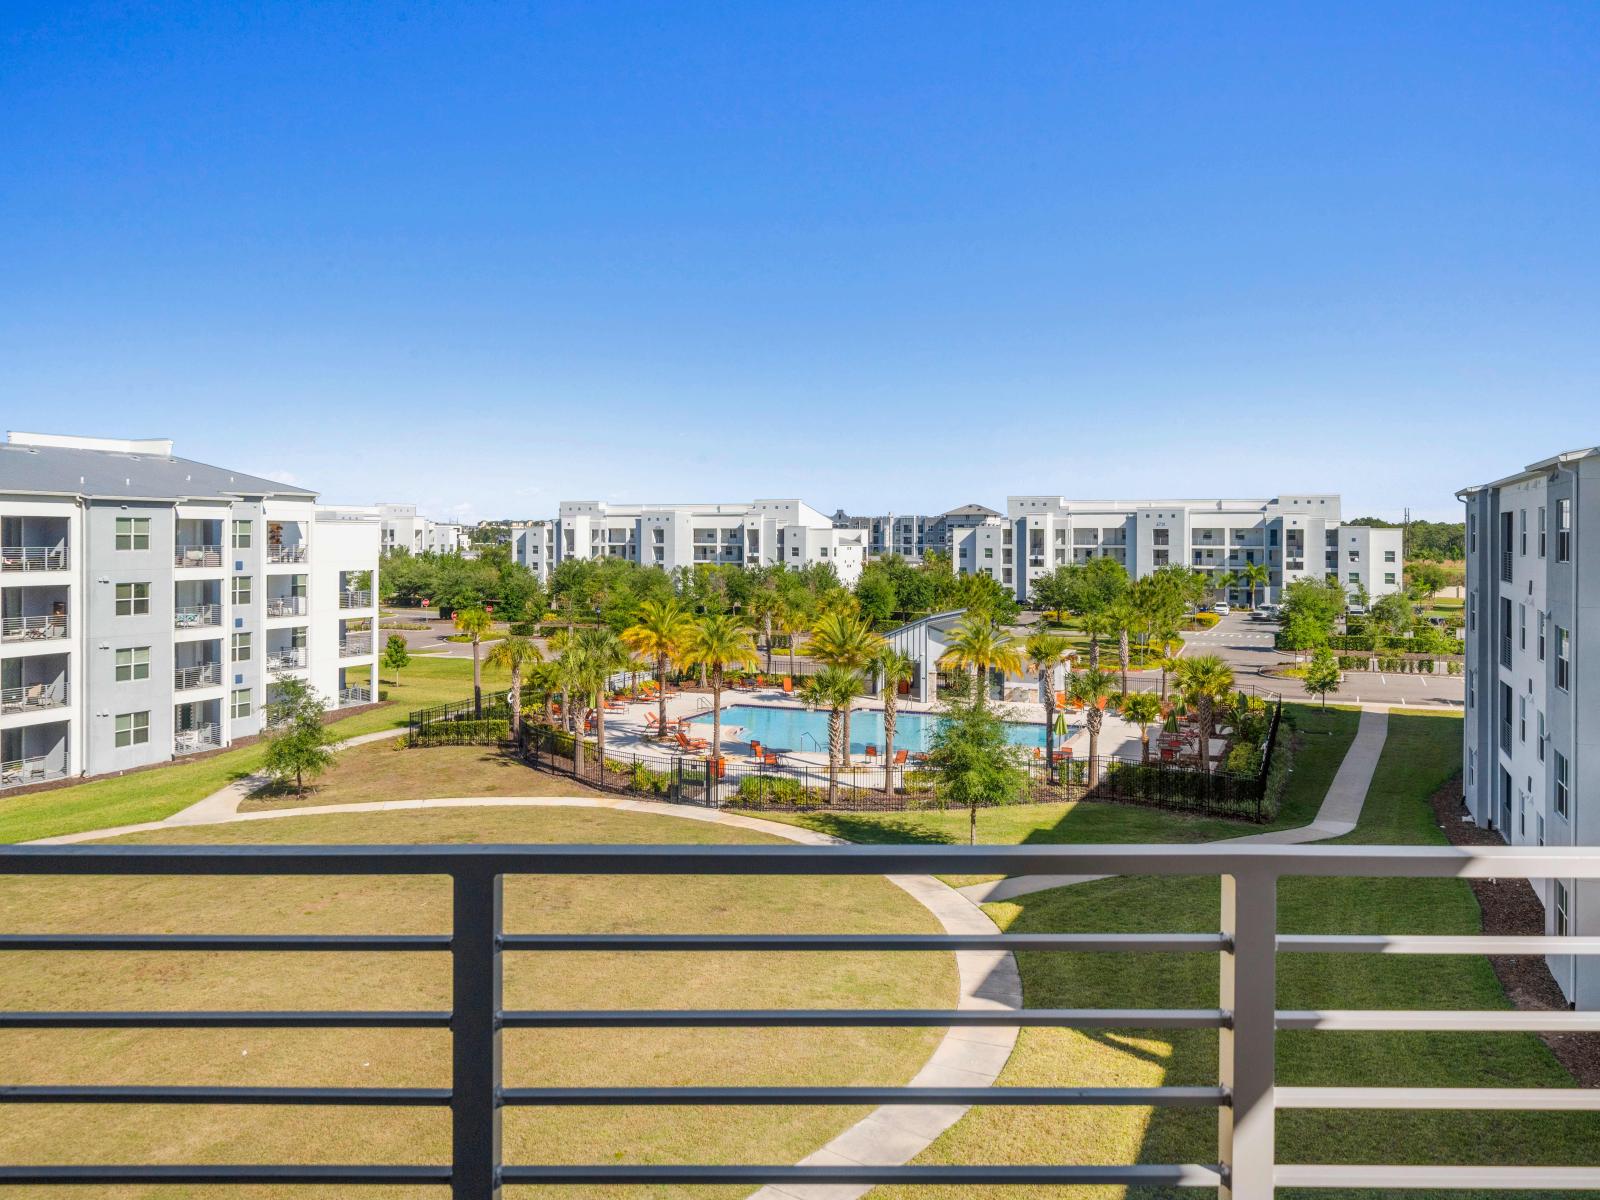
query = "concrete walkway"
x=1340 y=810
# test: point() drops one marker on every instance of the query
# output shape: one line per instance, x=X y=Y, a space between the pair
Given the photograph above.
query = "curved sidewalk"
x=1340 y=810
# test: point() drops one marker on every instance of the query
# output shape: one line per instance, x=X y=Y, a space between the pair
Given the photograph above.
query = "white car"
x=1221 y=610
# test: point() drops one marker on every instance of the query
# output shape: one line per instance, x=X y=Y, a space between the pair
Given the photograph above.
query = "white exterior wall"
x=343 y=540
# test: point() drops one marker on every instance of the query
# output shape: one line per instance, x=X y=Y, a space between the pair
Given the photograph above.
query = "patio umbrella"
x=1061 y=724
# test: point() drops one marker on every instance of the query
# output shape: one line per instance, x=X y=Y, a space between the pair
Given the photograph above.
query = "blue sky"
x=888 y=255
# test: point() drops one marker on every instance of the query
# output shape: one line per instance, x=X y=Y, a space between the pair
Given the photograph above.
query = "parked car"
x=1269 y=612
x=1221 y=610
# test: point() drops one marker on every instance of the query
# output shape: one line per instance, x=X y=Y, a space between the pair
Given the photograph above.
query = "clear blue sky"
x=488 y=257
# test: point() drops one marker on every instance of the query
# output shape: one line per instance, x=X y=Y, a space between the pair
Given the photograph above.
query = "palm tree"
x=515 y=652
x=546 y=679
x=835 y=689
x=1122 y=617
x=602 y=654
x=793 y=620
x=1204 y=681
x=474 y=622
x=1224 y=580
x=1171 y=648
x=978 y=646
x=893 y=668
x=1092 y=690
x=1256 y=576
x=845 y=641
x=717 y=642
x=659 y=631
x=1142 y=709
x=765 y=605
x=571 y=672
x=1044 y=651
x=1096 y=623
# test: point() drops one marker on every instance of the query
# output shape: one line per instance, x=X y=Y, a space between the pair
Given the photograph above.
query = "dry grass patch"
x=398 y=1058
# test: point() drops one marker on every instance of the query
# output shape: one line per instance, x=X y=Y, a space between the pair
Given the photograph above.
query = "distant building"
x=404 y=530
x=912 y=535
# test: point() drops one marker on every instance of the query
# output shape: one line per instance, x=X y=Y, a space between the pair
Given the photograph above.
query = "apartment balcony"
x=286 y=553
x=355 y=645
x=34 y=558
x=355 y=598
x=286 y=606
x=196 y=616
x=1507 y=570
x=198 y=676
x=42 y=627
x=23 y=772
x=33 y=697
x=286 y=658
x=349 y=696
x=189 y=556
x=198 y=739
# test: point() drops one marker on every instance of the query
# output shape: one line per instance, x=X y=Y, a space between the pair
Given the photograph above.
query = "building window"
x=1522 y=718
x=1388 y=576
x=133 y=599
x=239 y=705
x=1539 y=745
x=1563 y=907
x=1541 y=531
x=1541 y=637
x=133 y=663
x=133 y=729
x=1354 y=576
x=1355 y=555
x=1388 y=556
x=1522 y=627
x=1563 y=658
x=241 y=589
x=1472 y=766
x=1472 y=611
x=1522 y=532
x=1472 y=532
x=1472 y=689
x=988 y=551
x=133 y=533
x=1563 y=530
x=241 y=647
x=241 y=535
x=1563 y=784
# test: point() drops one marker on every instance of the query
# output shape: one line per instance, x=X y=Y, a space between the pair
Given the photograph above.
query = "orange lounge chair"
x=650 y=719
x=690 y=745
x=872 y=752
x=788 y=683
x=900 y=757
x=769 y=759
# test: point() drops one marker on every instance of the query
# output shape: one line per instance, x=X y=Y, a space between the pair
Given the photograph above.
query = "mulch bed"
x=1511 y=907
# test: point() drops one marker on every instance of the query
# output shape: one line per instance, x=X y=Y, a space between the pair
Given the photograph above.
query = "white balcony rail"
x=194 y=616
x=31 y=629
x=287 y=554
x=20 y=772
x=29 y=696
x=286 y=606
x=201 y=737
x=290 y=658
x=200 y=675
x=354 y=695
x=355 y=598
x=355 y=645
x=34 y=558
x=197 y=556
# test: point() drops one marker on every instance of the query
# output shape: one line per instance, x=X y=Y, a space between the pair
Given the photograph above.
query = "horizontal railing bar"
x=1510 y=1099
x=265 y=1173
x=1475 y=862
x=1144 y=1175
x=1480 y=1179
x=375 y=1097
x=1445 y=1020
x=177 y=1019
x=1434 y=944
x=207 y=941
x=689 y=1018
x=1171 y=1097
x=1177 y=942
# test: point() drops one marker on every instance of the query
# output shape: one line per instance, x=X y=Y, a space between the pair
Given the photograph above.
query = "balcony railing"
x=355 y=598
x=20 y=772
x=287 y=554
x=191 y=741
x=1246 y=942
x=1507 y=569
x=31 y=696
x=44 y=627
x=195 y=616
x=34 y=558
x=354 y=695
x=286 y=606
x=200 y=675
x=291 y=658
x=355 y=645
x=197 y=556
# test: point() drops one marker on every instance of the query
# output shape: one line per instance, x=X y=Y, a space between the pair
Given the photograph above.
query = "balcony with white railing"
x=197 y=543
x=40 y=627
x=197 y=675
x=197 y=738
x=354 y=695
x=23 y=772
x=286 y=543
x=285 y=658
x=35 y=753
x=197 y=616
x=355 y=598
x=30 y=544
x=355 y=645
x=34 y=558
x=33 y=697
x=197 y=556
x=286 y=606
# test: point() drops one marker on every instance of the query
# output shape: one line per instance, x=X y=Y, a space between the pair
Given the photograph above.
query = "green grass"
x=156 y=794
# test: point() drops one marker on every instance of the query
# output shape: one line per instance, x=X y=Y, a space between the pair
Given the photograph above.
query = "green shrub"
x=488 y=732
x=776 y=789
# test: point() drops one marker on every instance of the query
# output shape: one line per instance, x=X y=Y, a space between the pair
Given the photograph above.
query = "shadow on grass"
x=878 y=830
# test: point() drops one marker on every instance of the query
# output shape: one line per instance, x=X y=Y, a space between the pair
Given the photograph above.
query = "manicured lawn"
x=156 y=794
x=387 y=1058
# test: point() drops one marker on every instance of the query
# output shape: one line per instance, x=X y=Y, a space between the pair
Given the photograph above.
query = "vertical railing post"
x=475 y=1036
x=1246 y=1045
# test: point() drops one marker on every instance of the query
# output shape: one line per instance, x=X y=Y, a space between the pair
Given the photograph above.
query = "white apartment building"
x=1531 y=751
x=148 y=603
x=911 y=535
x=759 y=533
x=1296 y=537
x=404 y=530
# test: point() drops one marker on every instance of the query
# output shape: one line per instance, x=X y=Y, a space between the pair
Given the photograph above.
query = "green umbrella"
x=1061 y=724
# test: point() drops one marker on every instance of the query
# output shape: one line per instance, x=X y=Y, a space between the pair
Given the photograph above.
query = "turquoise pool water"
x=807 y=729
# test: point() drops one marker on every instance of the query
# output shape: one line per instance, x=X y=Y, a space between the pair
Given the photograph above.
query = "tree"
x=395 y=655
x=1122 y=618
x=972 y=760
x=660 y=633
x=718 y=642
x=1045 y=651
x=977 y=645
x=1392 y=614
x=834 y=689
x=1091 y=691
x=1424 y=580
x=601 y=655
x=1311 y=608
x=845 y=641
x=570 y=672
x=297 y=740
x=793 y=620
x=1170 y=647
x=1222 y=581
x=515 y=653
x=1256 y=576
x=893 y=668
x=1322 y=675
x=1203 y=681
x=1096 y=623
x=475 y=622
x=766 y=602
x=1142 y=709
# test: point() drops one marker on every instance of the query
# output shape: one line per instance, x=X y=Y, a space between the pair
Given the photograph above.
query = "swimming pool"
x=785 y=728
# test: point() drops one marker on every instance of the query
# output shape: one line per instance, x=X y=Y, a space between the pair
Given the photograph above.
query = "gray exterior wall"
x=251 y=618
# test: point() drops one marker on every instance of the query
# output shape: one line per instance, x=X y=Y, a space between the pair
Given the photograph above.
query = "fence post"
x=476 y=983
x=1246 y=1043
